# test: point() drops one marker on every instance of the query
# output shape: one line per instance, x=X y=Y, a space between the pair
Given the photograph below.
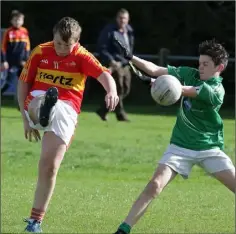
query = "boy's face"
x=17 y=21
x=207 y=68
x=63 y=48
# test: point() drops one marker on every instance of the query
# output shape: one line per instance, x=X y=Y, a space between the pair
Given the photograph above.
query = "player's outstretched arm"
x=149 y=67
x=144 y=65
x=109 y=85
x=145 y=79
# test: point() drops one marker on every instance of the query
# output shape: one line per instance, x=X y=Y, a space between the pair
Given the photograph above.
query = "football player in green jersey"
x=197 y=137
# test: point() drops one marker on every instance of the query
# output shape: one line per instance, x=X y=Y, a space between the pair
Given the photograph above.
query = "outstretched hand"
x=128 y=55
x=146 y=79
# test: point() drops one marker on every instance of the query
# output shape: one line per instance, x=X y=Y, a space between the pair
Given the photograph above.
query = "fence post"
x=163 y=59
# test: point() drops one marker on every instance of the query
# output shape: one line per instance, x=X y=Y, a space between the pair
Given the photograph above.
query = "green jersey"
x=198 y=125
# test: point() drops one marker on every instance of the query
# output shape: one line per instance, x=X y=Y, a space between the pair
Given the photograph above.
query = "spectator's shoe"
x=122 y=117
x=33 y=226
x=102 y=115
x=120 y=232
x=51 y=98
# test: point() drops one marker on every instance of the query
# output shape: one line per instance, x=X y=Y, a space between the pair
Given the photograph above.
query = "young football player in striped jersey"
x=50 y=92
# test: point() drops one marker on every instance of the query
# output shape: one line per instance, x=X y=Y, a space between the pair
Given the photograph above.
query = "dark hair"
x=122 y=11
x=16 y=13
x=68 y=28
x=216 y=51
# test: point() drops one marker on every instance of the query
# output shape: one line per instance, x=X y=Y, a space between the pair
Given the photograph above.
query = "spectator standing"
x=111 y=56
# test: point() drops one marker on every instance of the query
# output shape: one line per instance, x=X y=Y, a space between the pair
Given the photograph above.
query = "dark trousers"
x=122 y=77
x=12 y=73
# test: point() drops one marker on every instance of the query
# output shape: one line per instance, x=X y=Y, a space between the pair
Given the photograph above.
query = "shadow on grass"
x=225 y=112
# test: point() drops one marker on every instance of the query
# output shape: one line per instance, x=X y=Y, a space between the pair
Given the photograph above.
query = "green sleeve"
x=183 y=74
x=211 y=95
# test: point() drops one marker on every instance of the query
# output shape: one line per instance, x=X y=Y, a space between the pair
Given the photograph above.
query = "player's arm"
x=92 y=67
x=148 y=67
x=189 y=91
x=107 y=82
x=211 y=95
x=26 y=78
x=22 y=92
x=146 y=79
x=203 y=92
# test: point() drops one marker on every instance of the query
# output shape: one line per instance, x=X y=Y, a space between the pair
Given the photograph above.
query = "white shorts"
x=63 y=123
x=182 y=160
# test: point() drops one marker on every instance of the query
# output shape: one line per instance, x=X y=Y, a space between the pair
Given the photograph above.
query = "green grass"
x=105 y=169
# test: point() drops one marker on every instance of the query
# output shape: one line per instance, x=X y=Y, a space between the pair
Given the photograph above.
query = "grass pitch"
x=104 y=171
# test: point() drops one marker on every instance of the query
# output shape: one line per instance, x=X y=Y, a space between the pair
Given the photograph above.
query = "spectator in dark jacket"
x=111 y=56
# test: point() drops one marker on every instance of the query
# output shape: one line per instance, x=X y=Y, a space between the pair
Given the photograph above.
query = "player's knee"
x=154 y=188
x=50 y=171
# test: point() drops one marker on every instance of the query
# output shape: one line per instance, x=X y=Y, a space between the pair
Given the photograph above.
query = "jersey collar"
x=214 y=79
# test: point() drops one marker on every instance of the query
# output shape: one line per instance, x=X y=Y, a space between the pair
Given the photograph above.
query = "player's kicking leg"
x=162 y=176
x=51 y=98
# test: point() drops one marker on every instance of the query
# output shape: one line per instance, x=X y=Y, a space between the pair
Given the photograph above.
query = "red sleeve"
x=29 y=71
x=91 y=66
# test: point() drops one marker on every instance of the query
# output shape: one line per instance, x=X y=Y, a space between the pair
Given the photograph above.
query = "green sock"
x=125 y=228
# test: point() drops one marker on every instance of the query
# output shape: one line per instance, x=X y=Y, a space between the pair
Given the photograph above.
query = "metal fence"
x=151 y=57
x=156 y=56
x=170 y=57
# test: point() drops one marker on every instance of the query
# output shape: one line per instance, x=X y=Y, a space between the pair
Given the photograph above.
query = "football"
x=166 y=90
